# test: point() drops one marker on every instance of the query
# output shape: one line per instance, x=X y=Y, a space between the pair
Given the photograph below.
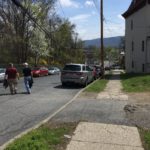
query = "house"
x=137 y=37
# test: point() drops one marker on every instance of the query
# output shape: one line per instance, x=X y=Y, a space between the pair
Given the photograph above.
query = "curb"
x=42 y=122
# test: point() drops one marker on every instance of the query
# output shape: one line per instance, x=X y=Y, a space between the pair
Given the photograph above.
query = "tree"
x=39 y=46
x=111 y=54
x=23 y=25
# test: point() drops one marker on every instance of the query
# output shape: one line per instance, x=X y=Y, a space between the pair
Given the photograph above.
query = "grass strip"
x=145 y=137
x=43 y=138
x=98 y=85
x=135 y=82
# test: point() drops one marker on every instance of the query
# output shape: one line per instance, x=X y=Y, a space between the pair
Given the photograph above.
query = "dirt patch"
x=138 y=109
x=143 y=97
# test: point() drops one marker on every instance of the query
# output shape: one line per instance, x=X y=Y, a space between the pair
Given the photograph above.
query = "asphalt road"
x=22 y=111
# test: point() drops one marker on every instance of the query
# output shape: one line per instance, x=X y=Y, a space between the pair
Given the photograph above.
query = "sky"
x=85 y=14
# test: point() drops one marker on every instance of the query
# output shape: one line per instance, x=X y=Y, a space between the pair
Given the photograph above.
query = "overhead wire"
x=61 y=8
x=18 y=4
x=97 y=8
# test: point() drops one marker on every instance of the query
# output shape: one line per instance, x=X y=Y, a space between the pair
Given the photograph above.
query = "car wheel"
x=63 y=84
x=86 y=82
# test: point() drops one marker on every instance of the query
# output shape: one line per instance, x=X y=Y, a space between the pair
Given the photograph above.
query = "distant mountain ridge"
x=108 y=42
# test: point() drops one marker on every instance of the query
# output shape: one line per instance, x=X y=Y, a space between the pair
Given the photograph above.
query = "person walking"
x=28 y=81
x=12 y=77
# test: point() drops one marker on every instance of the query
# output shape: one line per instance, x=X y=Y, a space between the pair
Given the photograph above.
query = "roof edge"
x=135 y=7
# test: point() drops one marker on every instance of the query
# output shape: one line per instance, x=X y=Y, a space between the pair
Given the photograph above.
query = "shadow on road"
x=6 y=94
x=73 y=86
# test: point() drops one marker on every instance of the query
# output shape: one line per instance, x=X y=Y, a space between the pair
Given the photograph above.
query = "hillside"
x=108 y=42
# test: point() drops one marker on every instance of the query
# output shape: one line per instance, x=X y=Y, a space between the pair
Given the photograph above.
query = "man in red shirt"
x=12 y=77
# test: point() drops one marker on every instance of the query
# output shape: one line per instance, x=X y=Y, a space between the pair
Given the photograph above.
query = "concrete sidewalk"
x=97 y=136
x=113 y=89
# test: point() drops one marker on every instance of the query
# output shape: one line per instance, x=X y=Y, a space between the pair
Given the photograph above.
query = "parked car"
x=76 y=73
x=107 y=68
x=39 y=71
x=2 y=74
x=53 y=70
x=97 y=71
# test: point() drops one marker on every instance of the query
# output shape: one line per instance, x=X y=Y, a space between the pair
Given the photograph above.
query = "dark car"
x=97 y=72
x=39 y=71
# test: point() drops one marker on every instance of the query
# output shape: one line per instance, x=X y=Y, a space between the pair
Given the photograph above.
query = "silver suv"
x=2 y=74
x=76 y=73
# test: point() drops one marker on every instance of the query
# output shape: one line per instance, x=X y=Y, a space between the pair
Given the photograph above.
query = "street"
x=22 y=111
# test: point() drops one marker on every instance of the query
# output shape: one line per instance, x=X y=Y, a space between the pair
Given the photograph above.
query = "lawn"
x=98 y=86
x=135 y=82
x=145 y=137
x=47 y=137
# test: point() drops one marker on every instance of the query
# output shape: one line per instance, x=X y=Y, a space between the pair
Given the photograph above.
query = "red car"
x=39 y=71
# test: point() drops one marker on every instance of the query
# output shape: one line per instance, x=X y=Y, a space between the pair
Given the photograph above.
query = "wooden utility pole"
x=102 y=41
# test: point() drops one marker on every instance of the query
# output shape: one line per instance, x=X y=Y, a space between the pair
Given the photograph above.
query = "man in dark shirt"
x=12 y=77
x=27 y=77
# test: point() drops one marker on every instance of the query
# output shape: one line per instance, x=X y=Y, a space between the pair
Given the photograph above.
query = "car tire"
x=63 y=84
x=86 y=82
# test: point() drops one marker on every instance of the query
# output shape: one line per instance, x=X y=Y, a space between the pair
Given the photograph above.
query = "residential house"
x=137 y=37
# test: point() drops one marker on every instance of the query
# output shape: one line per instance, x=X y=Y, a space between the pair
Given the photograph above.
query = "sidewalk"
x=99 y=136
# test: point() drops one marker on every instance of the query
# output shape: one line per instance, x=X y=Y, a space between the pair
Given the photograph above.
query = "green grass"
x=97 y=86
x=135 y=82
x=43 y=138
x=145 y=137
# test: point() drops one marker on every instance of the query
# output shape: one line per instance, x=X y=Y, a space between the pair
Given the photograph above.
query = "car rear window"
x=2 y=70
x=72 y=68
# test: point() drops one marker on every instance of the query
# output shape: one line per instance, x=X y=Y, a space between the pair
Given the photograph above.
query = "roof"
x=135 y=6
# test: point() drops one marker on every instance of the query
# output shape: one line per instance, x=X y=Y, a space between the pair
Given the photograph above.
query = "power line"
x=61 y=8
x=96 y=6
x=18 y=4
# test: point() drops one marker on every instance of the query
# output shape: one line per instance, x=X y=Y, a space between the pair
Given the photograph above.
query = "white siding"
x=140 y=32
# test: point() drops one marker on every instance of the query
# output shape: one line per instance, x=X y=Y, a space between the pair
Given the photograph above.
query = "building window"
x=132 y=45
x=143 y=67
x=143 y=47
x=131 y=24
x=132 y=64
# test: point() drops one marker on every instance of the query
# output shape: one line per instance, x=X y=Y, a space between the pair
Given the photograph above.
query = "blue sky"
x=85 y=14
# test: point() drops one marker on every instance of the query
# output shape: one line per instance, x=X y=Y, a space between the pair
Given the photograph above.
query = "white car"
x=53 y=70
x=2 y=74
x=77 y=73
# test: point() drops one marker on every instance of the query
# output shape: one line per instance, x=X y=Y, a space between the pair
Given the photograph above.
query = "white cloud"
x=94 y=13
x=87 y=33
x=114 y=30
x=89 y=3
x=120 y=17
x=82 y=17
x=69 y=3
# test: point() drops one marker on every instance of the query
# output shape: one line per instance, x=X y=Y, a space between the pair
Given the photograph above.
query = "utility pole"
x=102 y=41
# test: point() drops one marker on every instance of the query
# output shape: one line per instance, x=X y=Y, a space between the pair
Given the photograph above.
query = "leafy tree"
x=111 y=54
x=39 y=46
